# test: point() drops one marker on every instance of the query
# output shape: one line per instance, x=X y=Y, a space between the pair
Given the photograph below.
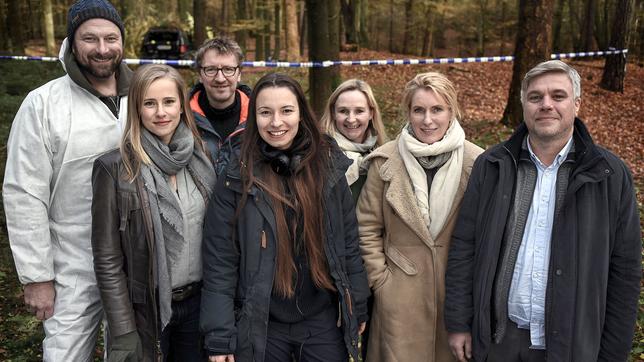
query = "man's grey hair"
x=552 y=66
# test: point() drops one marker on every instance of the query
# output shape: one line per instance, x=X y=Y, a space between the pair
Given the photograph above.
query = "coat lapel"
x=400 y=196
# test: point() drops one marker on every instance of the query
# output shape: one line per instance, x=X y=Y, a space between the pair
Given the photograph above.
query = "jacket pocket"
x=400 y=260
x=386 y=276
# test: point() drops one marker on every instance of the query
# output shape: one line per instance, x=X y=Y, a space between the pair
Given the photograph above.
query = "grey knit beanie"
x=84 y=10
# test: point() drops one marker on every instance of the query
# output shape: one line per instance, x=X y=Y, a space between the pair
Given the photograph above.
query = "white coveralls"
x=57 y=133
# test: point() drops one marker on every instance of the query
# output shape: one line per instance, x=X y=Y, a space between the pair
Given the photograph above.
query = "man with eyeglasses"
x=219 y=102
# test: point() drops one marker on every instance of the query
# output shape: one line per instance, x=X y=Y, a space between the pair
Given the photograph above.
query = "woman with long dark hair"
x=283 y=276
x=149 y=203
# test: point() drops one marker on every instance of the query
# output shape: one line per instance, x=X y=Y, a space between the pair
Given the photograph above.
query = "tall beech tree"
x=533 y=43
x=615 y=66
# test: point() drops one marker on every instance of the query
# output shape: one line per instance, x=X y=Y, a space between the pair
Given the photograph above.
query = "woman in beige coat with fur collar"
x=406 y=213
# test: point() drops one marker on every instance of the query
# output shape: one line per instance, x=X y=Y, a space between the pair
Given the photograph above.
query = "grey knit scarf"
x=167 y=218
x=430 y=162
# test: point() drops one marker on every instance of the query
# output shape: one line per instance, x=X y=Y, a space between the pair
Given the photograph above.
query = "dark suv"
x=166 y=43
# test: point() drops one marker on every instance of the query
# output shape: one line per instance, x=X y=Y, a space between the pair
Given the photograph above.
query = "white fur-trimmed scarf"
x=436 y=206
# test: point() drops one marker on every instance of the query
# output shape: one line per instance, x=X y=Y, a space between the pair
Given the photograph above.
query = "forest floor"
x=615 y=120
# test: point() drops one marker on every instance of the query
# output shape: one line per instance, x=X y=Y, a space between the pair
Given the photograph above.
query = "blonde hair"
x=375 y=125
x=132 y=151
x=438 y=83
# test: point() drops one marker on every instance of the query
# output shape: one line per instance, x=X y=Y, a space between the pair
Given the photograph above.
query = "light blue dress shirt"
x=527 y=298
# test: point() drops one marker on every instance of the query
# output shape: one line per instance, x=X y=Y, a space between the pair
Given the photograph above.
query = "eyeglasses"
x=212 y=71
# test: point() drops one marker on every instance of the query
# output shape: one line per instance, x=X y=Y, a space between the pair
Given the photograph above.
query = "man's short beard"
x=103 y=72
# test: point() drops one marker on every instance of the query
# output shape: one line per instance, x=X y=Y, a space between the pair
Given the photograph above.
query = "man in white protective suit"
x=60 y=128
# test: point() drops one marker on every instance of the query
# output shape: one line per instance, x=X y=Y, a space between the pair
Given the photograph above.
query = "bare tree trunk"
x=638 y=42
x=364 y=15
x=409 y=23
x=14 y=22
x=556 y=26
x=575 y=27
x=602 y=31
x=60 y=17
x=320 y=48
x=504 y=14
x=391 y=26
x=428 y=33
x=48 y=22
x=267 y=17
x=588 y=29
x=606 y=25
x=351 y=16
x=34 y=28
x=534 y=38
x=199 y=16
x=4 y=41
x=481 y=27
x=225 y=15
x=242 y=14
x=277 y=33
x=304 y=24
x=439 y=36
x=292 y=35
x=259 y=36
x=615 y=66
x=334 y=30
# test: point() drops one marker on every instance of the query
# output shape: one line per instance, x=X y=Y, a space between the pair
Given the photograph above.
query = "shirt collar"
x=561 y=156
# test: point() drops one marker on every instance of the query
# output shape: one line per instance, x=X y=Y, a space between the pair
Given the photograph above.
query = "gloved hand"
x=125 y=348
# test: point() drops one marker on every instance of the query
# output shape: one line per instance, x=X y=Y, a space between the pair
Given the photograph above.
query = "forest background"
x=295 y=30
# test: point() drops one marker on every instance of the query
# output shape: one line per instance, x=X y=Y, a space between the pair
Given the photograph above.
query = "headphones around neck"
x=282 y=162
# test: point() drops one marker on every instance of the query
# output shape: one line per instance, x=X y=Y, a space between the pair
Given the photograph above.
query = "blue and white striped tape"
x=331 y=63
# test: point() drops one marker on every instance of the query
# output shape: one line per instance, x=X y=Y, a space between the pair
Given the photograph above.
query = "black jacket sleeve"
x=220 y=272
x=625 y=272
x=459 y=276
x=355 y=267
x=108 y=255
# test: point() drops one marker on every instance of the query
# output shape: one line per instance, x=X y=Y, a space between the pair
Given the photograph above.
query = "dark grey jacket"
x=238 y=276
x=221 y=150
x=595 y=260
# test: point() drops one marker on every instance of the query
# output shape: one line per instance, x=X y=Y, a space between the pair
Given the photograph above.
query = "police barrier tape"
x=331 y=63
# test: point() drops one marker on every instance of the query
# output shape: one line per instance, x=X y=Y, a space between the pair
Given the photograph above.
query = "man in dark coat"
x=545 y=259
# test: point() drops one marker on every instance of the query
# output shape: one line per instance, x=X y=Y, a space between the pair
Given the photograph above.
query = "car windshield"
x=159 y=37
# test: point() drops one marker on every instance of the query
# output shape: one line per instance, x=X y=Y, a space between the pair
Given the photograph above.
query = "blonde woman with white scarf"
x=406 y=212
x=352 y=118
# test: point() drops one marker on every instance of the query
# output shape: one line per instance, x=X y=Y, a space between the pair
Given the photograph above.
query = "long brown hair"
x=132 y=150
x=304 y=184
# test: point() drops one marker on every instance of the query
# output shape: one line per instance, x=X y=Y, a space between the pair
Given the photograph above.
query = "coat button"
x=558 y=272
x=607 y=171
x=227 y=183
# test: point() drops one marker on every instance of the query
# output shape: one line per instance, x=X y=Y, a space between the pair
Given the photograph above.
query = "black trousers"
x=181 y=339
x=515 y=347
x=316 y=339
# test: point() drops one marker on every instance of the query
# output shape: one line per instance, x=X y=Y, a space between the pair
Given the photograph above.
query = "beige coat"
x=406 y=268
